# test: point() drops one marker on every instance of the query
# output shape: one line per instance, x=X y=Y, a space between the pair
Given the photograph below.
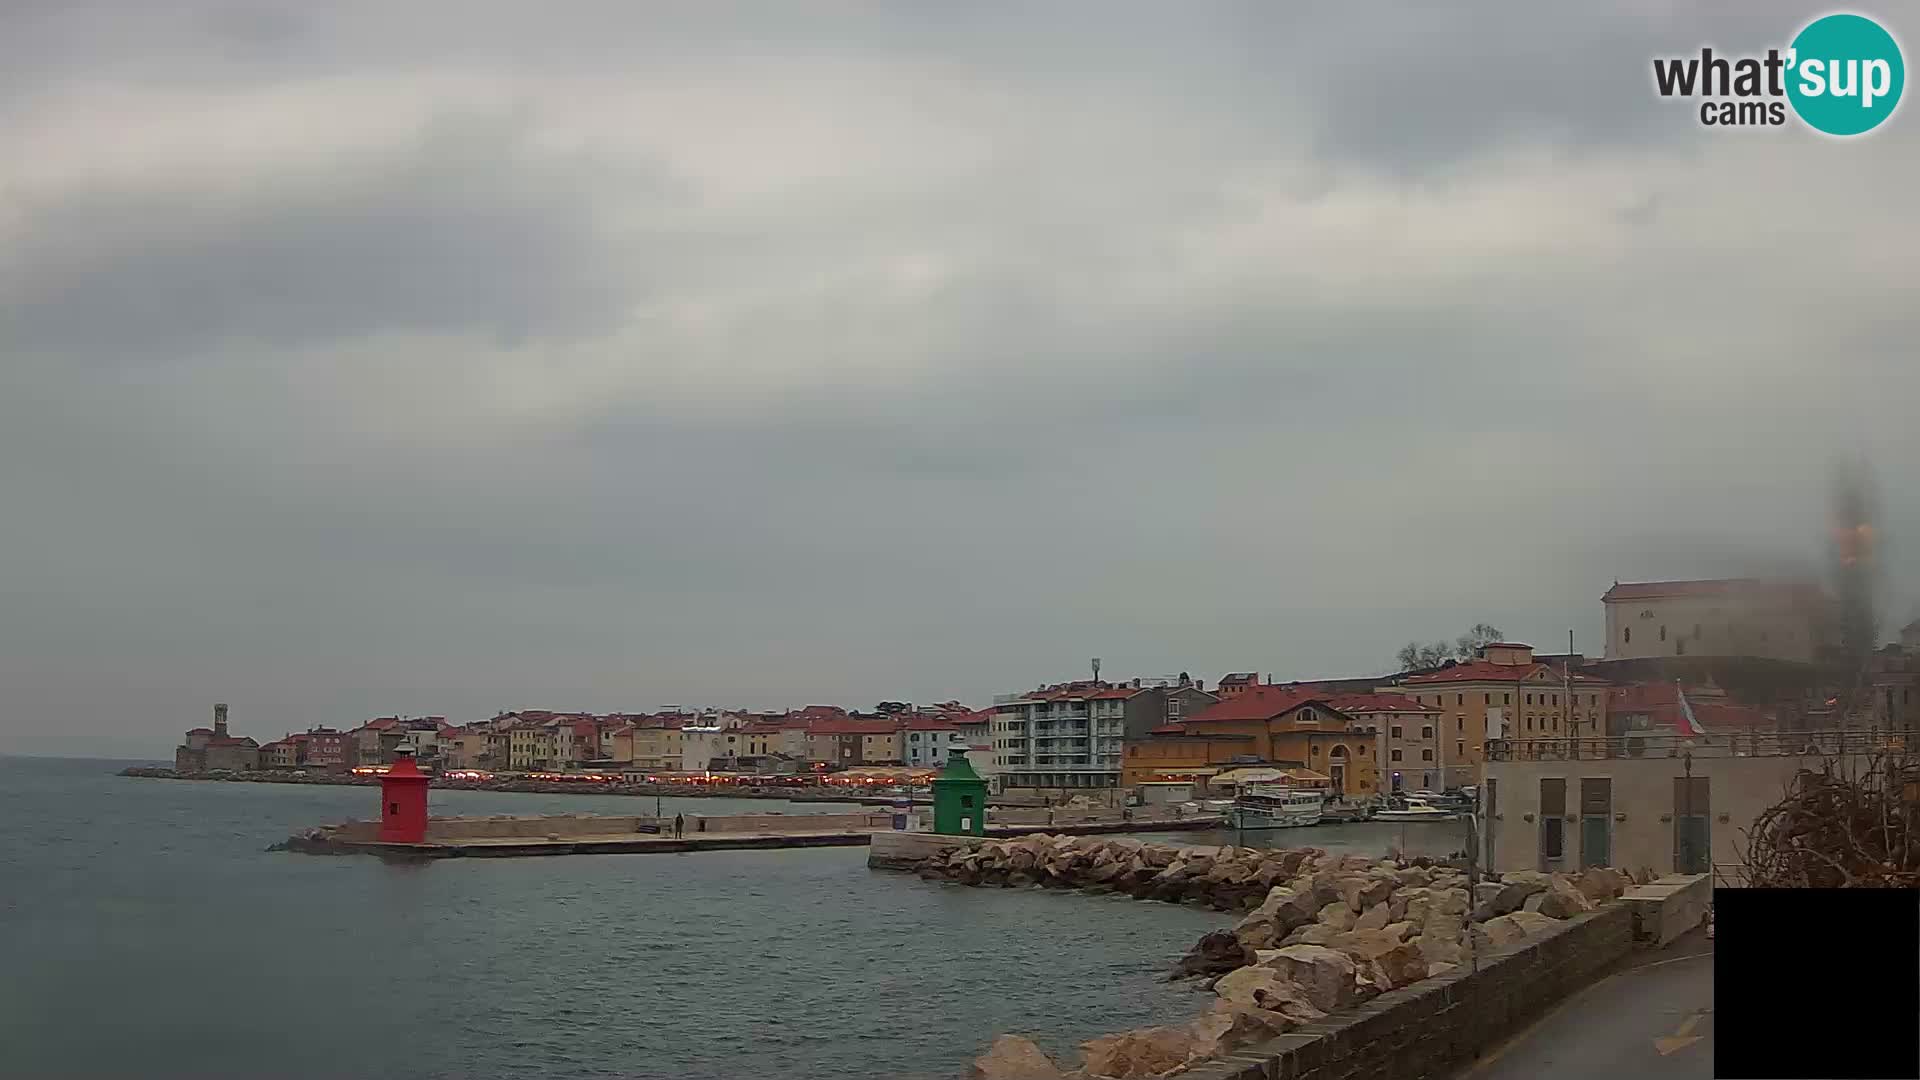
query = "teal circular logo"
x=1845 y=74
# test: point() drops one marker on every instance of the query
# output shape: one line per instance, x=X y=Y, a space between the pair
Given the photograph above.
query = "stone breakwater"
x=1322 y=934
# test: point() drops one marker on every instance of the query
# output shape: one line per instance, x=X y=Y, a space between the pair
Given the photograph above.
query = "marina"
x=1274 y=806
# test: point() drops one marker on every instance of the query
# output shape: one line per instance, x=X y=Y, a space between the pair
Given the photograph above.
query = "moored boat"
x=1265 y=806
x=1414 y=808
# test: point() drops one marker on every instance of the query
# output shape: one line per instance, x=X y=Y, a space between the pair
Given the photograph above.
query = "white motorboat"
x=1415 y=808
x=1266 y=806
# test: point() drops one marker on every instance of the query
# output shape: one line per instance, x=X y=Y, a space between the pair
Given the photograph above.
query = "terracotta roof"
x=1488 y=671
x=1662 y=703
x=853 y=727
x=1376 y=703
x=585 y=727
x=1650 y=590
x=928 y=723
x=1259 y=703
x=762 y=729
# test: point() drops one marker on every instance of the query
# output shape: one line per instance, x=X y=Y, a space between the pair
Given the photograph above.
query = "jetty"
x=593 y=834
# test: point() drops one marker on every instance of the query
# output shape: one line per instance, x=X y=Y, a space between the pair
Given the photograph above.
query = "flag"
x=1688 y=724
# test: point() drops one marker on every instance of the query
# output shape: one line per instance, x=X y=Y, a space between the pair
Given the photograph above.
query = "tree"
x=1414 y=656
x=1476 y=638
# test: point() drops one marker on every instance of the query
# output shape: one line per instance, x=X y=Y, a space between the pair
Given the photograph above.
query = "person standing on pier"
x=679 y=825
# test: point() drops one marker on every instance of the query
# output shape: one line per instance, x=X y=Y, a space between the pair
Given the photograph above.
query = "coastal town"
x=1728 y=680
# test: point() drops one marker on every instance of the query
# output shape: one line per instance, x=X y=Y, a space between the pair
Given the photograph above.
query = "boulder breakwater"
x=1321 y=935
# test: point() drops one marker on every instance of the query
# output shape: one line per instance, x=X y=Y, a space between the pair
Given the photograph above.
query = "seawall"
x=1440 y=1023
x=586 y=834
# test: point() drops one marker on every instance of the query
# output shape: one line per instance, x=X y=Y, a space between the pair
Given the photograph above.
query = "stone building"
x=1717 y=617
x=1408 y=743
x=214 y=749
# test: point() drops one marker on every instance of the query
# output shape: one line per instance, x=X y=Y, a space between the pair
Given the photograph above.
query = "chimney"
x=220 y=721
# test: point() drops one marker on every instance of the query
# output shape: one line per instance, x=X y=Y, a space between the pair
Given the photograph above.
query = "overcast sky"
x=361 y=358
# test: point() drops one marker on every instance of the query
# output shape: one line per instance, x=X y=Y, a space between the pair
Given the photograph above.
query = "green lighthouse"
x=959 y=798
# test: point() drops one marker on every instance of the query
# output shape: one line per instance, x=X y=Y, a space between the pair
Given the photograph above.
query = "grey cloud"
x=489 y=420
x=462 y=231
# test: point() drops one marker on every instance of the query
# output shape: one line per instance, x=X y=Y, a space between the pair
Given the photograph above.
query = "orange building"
x=1506 y=694
x=1282 y=726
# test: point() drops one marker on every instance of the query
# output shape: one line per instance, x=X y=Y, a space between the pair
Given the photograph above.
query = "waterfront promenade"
x=1652 y=1020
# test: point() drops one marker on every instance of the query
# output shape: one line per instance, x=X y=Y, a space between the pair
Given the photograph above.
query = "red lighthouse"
x=403 y=802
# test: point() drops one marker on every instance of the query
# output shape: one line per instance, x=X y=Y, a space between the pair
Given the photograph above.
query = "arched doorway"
x=1337 y=768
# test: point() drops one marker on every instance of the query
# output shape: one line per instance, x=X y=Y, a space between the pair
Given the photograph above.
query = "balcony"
x=1738 y=744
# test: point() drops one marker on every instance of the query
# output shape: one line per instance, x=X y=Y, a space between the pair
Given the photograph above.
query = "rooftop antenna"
x=1096 y=669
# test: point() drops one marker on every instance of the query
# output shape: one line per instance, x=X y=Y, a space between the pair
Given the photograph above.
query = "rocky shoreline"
x=1321 y=934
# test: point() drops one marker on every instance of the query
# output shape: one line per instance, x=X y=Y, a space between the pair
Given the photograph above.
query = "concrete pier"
x=589 y=834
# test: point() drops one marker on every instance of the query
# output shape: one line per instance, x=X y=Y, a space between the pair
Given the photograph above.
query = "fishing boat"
x=1413 y=808
x=1268 y=806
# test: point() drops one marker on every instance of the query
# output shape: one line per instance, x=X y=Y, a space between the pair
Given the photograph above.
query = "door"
x=1692 y=839
x=1553 y=823
x=1596 y=821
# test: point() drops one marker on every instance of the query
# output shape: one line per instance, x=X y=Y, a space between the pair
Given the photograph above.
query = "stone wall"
x=1436 y=1025
x=907 y=850
x=1668 y=907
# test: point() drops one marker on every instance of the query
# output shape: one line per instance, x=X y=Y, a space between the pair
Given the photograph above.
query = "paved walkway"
x=1650 y=1022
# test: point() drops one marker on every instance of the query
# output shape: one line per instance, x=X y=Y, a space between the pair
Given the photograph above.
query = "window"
x=1663 y=633
x=1426 y=732
x=1680 y=647
x=1626 y=636
x=1529 y=723
x=1459 y=723
x=1529 y=699
x=1394 y=755
x=1489 y=699
x=1459 y=699
x=1395 y=732
x=1426 y=755
x=1459 y=750
x=1314 y=752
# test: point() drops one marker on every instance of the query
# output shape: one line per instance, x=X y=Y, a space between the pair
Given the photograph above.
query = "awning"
x=1271 y=775
x=1260 y=775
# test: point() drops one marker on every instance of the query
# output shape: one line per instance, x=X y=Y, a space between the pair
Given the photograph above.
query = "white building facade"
x=1060 y=738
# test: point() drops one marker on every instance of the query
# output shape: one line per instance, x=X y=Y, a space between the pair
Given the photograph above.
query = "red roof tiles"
x=853 y=727
x=1377 y=703
x=1259 y=703
x=1487 y=671
x=1661 y=701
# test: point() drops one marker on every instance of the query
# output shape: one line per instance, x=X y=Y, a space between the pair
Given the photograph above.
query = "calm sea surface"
x=145 y=931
